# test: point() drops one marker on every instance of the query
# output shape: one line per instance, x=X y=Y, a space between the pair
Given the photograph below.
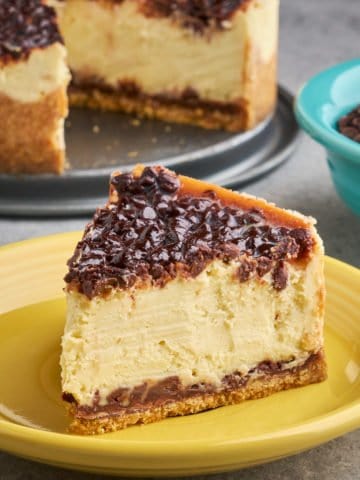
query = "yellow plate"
x=32 y=418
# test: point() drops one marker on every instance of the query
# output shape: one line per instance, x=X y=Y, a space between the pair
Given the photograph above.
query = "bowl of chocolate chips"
x=328 y=108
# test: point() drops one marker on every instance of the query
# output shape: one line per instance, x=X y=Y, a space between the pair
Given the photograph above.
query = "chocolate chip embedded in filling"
x=155 y=232
x=25 y=25
x=349 y=125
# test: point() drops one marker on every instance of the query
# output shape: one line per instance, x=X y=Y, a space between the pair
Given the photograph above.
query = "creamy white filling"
x=117 y=42
x=197 y=329
x=30 y=80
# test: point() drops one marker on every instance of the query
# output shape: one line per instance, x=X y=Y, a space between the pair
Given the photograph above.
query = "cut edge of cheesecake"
x=187 y=108
x=247 y=97
x=262 y=379
x=33 y=91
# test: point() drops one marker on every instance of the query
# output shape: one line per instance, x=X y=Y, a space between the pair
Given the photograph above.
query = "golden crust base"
x=27 y=134
x=147 y=107
x=312 y=372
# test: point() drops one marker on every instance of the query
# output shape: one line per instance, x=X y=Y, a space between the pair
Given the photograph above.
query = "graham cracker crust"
x=29 y=141
x=312 y=371
x=146 y=106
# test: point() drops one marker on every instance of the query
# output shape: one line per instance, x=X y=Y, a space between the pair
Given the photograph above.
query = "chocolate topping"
x=156 y=394
x=197 y=15
x=154 y=231
x=349 y=125
x=25 y=25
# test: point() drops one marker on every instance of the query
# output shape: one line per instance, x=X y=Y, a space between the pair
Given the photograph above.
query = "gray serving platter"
x=101 y=142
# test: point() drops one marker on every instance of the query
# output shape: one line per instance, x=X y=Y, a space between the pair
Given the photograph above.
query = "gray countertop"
x=314 y=35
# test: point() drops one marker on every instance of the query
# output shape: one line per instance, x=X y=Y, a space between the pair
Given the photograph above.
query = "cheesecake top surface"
x=26 y=25
x=197 y=15
x=158 y=225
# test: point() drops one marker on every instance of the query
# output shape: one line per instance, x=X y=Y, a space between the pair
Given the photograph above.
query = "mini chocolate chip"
x=263 y=266
x=349 y=125
x=280 y=276
x=122 y=182
x=168 y=183
x=246 y=268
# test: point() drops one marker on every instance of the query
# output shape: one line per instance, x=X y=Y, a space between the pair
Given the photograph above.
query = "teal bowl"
x=319 y=105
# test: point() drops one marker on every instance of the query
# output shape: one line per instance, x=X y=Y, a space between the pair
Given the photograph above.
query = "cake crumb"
x=96 y=129
x=133 y=154
x=167 y=129
x=154 y=140
x=135 y=122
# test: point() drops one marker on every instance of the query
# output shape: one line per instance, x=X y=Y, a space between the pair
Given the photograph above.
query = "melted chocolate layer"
x=156 y=394
x=25 y=25
x=188 y=98
x=155 y=232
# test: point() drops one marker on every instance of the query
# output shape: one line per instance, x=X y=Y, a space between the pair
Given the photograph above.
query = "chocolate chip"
x=246 y=268
x=168 y=183
x=263 y=266
x=349 y=125
x=280 y=276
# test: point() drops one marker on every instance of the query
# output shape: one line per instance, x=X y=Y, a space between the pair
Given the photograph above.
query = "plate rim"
x=316 y=429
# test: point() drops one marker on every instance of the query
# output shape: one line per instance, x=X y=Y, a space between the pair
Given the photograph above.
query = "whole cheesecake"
x=211 y=64
x=183 y=296
x=33 y=82
x=205 y=63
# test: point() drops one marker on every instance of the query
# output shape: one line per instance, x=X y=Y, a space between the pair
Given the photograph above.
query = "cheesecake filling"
x=32 y=79
x=214 y=65
x=199 y=330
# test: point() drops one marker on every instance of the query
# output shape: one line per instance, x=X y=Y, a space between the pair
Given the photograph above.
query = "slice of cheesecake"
x=211 y=64
x=183 y=296
x=33 y=82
